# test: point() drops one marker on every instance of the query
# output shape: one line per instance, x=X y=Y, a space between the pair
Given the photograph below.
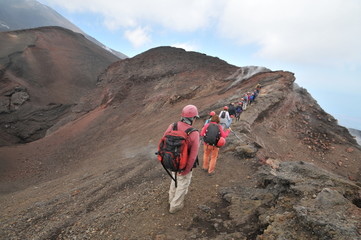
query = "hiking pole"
x=250 y=139
x=236 y=135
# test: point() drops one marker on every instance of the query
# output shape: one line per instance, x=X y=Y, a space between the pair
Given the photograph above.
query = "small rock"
x=216 y=226
x=161 y=237
x=204 y=208
x=349 y=150
x=273 y=163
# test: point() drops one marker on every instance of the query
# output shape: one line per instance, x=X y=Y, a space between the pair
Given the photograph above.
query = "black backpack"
x=223 y=115
x=212 y=134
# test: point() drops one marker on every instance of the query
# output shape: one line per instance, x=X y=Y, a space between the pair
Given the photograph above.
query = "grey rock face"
x=297 y=201
x=18 y=99
x=357 y=134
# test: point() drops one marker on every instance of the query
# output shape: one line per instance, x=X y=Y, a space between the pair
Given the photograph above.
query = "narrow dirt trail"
x=125 y=200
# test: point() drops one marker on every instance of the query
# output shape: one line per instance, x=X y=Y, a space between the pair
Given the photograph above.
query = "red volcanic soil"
x=97 y=177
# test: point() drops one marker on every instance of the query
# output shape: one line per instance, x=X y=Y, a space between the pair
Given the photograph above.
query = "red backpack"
x=173 y=150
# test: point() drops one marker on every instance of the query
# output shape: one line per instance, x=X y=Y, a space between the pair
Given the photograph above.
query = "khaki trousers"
x=177 y=194
x=210 y=151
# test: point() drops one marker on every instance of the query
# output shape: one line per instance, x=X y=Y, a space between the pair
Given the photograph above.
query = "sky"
x=318 y=40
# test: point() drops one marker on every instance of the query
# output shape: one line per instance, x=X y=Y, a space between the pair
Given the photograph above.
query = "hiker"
x=232 y=113
x=245 y=101
x=211 y=114
x=255 y=93
x=231 y=110
x=177 y=193
x=239 y=110
x=212 y=134
x=251 y=99
x=225 y=119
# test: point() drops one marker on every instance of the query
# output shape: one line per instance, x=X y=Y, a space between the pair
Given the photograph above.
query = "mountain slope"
x=357 y=134
x=97 y=177
x=44 y=72
x=25 y=14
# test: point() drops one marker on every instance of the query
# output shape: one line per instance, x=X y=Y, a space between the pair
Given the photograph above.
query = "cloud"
x=185 y=15
x=138 y=37
x=303 y=31
x=186 y=46
x=300 y=31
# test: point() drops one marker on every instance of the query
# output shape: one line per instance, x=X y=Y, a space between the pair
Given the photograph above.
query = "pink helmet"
x=212 y=113
x=225 y=108
x=190 y=111
x=221 y=142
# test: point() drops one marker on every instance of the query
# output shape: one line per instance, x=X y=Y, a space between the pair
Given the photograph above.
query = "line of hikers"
x=235 y=109
x=179 y=146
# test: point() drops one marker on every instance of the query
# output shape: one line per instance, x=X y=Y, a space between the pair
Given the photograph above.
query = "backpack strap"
x=175 y=175
x=190 y=130
x=175 y=126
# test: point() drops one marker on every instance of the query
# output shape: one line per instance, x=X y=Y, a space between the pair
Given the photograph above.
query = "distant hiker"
x=251 y=98
x=231 y=110
x=245 y=101
x=255 y=93
x=239 y=110
x=225 y=119
x=214 y=137
x=211 y=114
x=179 y=188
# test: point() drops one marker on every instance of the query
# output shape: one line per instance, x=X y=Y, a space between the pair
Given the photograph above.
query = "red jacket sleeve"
x=204 y=129
x=223 y=133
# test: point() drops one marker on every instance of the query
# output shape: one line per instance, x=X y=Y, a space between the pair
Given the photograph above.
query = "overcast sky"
x=318 y=40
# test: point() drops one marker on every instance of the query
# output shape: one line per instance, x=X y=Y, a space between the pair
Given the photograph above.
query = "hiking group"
x=179 y=146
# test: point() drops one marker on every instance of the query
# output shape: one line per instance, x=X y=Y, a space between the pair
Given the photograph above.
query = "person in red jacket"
x=211 y=149
x=177 y=194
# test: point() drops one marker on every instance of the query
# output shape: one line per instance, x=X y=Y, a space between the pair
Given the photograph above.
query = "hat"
x=190 y=111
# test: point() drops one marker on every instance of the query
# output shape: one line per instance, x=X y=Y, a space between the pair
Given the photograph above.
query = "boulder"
x=18 y=99
x=246 y=151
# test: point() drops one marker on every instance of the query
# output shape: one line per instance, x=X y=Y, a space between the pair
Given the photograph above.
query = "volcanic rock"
x=94 y=175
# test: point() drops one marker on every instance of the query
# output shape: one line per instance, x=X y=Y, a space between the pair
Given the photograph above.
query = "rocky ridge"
x=287 y=171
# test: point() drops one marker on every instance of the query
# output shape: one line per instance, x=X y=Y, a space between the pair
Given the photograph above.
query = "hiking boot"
x=174 y=210
x=211 y=173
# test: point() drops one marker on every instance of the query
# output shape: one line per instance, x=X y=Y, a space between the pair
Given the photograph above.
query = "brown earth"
x=45 y=74
x=97 y=177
